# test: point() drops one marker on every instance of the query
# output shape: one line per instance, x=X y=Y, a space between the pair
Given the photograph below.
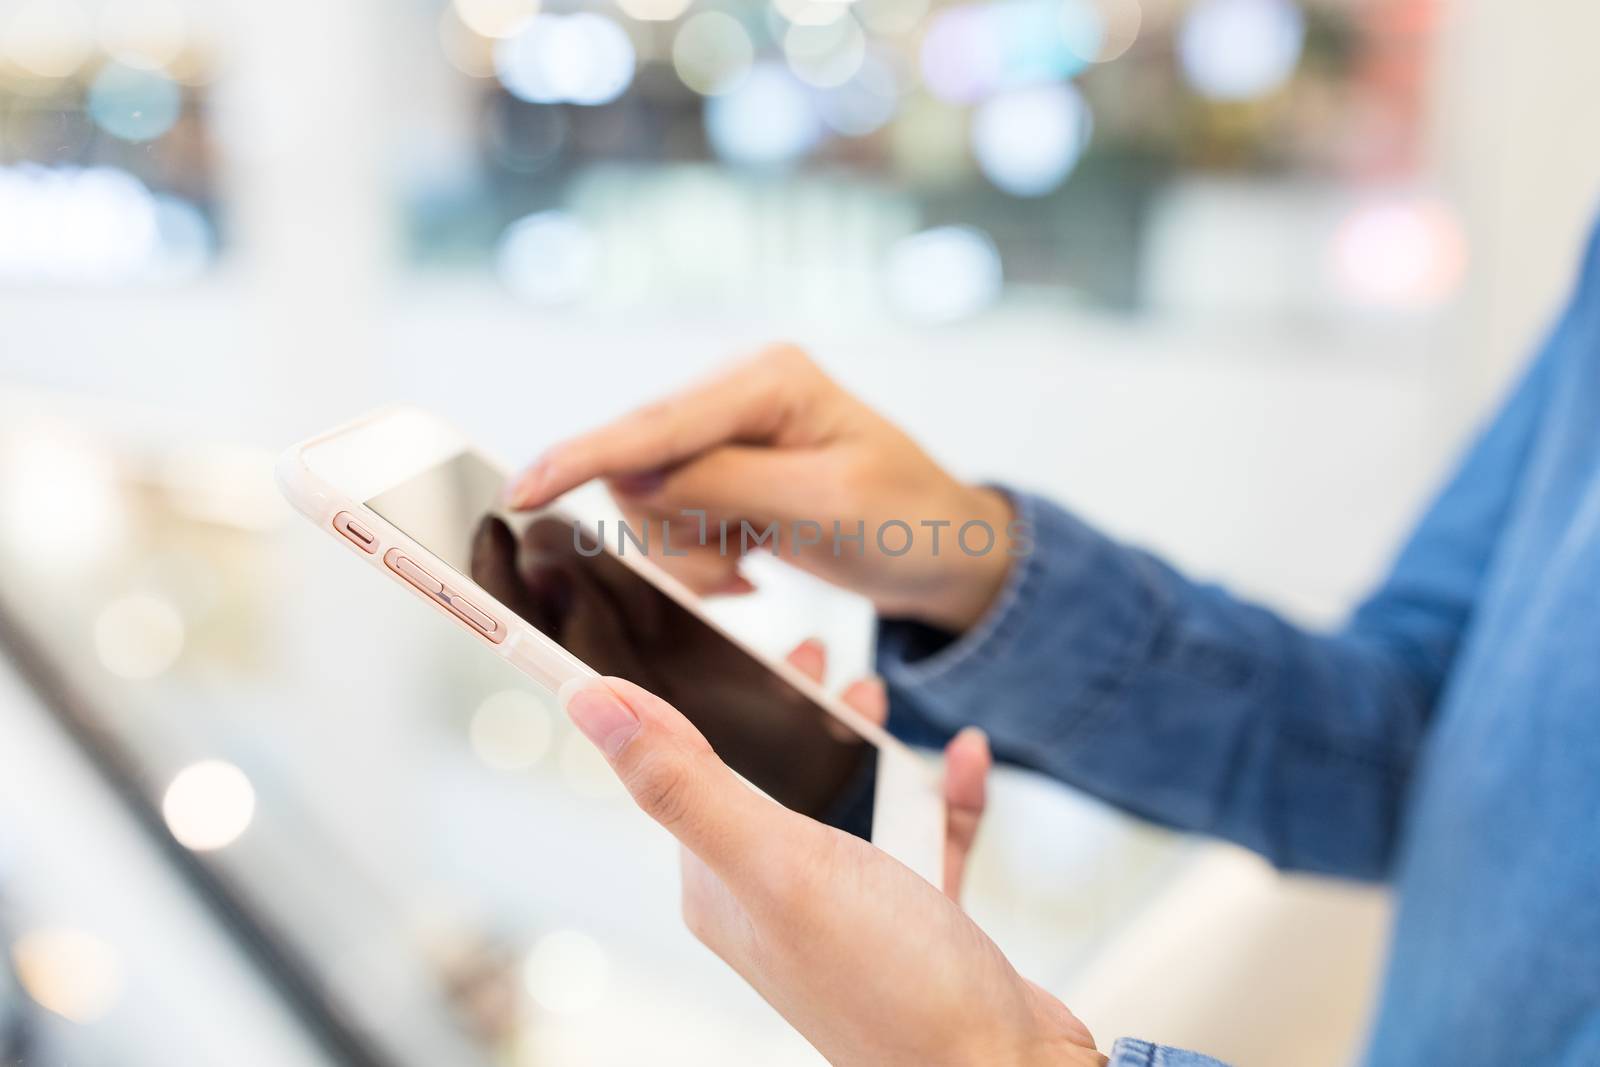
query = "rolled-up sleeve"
x=1131 y=1053
x=1103 y=667
x=1075 y=616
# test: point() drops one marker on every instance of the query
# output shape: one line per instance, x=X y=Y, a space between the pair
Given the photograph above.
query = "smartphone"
x=408 y=494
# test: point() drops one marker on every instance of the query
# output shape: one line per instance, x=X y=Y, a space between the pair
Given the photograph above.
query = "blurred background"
x=1231 y=277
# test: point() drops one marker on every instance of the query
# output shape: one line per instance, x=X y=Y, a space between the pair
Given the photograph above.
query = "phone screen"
x=620 y=624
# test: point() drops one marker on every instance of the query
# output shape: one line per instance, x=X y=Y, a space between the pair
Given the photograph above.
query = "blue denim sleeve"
x=1131 y=1053
x=1105 y=668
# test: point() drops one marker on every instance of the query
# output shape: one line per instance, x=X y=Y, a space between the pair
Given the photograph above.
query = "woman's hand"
x=774 y=440
x=869 y=962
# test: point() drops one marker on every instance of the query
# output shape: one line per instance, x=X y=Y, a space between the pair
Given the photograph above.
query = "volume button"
x=406 y=568
x=473 y=615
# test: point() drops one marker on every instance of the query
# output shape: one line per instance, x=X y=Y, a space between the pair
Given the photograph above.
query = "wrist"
x=967 y=580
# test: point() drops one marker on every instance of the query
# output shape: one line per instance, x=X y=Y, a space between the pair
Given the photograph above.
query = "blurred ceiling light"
x=768 y=119
x=1098 y=31
x=75 y=224
x=138 y=637
x=1399 y=253
x=134 y=104
x=148 y=34
x=961 y=57
x=864 y=103
x=890 y=18
x=495 y=18
x=510 y=730
x=185 y=242
x=578 y=59
x=566 y=972
x=943 y=274
x=1240 y=49
x=208 y=805
x=548 y=258
x=712 y=53
x=1027 y=141
x=825 y=56
x=1083 y=29
x=654 y=10
x=811 y=12
x=972 y=50
x=468 y=51
x=59 y=504
x=49 y=38
x=70 y=972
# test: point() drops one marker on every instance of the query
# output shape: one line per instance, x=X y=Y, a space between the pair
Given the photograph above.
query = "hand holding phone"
x=412 y=498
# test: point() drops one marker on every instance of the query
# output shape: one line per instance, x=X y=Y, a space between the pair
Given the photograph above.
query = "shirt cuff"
x=1074 y=617
x=1129 y=1052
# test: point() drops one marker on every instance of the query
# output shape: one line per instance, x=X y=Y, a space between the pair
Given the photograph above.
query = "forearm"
x=1105 y=668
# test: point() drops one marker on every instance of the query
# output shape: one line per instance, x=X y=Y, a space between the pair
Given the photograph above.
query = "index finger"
x=741 y=404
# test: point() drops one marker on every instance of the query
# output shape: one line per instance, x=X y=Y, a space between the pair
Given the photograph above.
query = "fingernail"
x=522 y=490
x=642 y=483
x=973 y=735
x=595 y=710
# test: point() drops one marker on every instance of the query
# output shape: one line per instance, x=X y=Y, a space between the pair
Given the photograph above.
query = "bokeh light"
x=49 y=38
x=943 y=274
x=827 y=55
x=654 y=10
x=548 y=257
x=972 y=50
x=495 y=18
x=1098 y=31
x=890 y=18
x=510 y=730
x=147 y=34
x=579 y=59
x=186 y=244
x=566 y=972
x=768 y=119
x=1399 y=253
x=468 y=51
x=1027 y=141
x=963 y=60
x=134 y=104
x=864 y=103
x=712 y=53
x=208 y=805
x=70 y=972
x=58 y=493
x=138 y=637
x=1083 y=29
x=1240 y=49
x=95 y=225
x=811 y=12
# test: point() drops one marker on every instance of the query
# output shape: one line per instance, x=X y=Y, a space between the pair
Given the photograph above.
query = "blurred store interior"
x=1232 y=277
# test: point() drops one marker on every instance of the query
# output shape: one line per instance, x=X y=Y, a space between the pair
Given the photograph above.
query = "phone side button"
x=475 y=617
x=407 y=569
x=354 y=532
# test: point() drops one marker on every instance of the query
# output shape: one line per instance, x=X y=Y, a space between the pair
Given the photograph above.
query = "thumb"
x=671 y=772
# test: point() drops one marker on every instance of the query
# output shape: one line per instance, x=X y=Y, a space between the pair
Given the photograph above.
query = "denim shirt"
x=1445 y=740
